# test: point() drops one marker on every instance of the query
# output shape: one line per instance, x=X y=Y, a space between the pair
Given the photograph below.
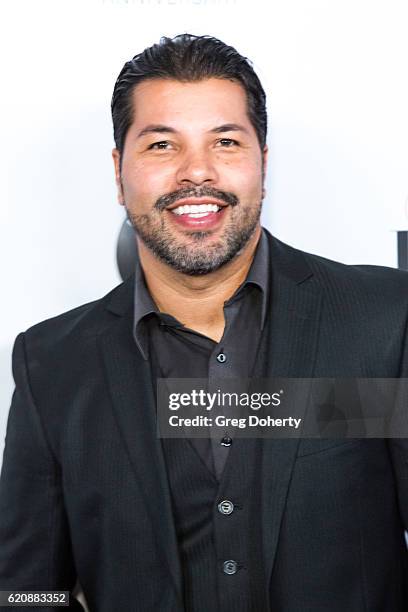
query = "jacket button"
x=221 y=358
x=226 y=441
x=226 y=507
x=230 y=567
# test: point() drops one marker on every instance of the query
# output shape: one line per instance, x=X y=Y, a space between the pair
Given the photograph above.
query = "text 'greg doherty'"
x=221 y=421
x=206 y=400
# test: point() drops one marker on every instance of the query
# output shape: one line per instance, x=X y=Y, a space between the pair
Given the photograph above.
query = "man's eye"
x=228 y=142
x=161 y=145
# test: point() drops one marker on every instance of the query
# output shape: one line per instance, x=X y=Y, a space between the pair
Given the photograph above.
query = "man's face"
x=191 y=145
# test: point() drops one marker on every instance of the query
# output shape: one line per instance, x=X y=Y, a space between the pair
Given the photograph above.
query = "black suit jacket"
x=84 y=493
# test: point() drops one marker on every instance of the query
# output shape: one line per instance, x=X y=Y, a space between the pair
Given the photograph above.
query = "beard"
x=196 y=254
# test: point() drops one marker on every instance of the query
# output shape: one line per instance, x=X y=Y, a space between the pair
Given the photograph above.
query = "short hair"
x=187 y=58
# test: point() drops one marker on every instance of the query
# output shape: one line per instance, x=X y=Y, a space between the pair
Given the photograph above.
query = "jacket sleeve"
x=398 y=447
x=35 y=549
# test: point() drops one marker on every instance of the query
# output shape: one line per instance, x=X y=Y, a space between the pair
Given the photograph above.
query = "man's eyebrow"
x=156 y=129
x=229 y=127
x=166 y=129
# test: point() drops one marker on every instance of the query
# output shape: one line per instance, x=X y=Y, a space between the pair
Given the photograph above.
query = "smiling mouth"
x=193 y=214
x=196 y=208
x=196 y=211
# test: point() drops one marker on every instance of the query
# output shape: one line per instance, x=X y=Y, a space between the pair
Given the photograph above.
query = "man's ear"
x=264 y=159
x=264 y=166
x=116 y=161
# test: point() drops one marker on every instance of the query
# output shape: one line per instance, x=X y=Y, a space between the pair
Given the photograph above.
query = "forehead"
x=208 y=102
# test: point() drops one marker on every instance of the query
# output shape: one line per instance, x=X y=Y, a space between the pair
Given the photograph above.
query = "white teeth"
x=195 y=209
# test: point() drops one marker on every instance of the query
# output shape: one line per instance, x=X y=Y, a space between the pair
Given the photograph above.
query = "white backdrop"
x=335 y=75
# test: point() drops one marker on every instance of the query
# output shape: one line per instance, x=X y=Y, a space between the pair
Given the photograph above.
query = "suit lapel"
x=288 y=351
x=130 y=383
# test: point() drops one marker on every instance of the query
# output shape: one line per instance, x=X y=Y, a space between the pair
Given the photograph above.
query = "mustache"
x=198 y=192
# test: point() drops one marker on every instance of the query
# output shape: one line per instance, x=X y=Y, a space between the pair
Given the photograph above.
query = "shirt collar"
x=258 y=274
x=144 y=305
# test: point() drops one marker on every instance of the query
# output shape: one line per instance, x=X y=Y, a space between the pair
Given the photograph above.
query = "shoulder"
x=383 y=283
x=75 y=326
x=363 y=309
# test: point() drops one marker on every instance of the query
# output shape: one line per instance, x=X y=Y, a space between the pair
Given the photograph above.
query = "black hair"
x=187 y=58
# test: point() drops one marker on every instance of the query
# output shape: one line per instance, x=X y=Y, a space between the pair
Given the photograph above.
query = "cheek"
x=245 y=174
x=248 y=185
x=146 y=182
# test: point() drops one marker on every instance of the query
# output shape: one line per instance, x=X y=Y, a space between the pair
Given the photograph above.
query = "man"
x=88 y=490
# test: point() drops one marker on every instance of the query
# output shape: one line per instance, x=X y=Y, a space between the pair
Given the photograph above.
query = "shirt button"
x=230 y=567
x=226 y=441
x=226 y=507
x=221 y=358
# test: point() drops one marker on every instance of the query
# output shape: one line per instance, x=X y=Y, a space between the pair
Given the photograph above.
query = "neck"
x=196 y=301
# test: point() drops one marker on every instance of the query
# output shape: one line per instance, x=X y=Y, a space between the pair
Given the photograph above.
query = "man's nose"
x=197 y=167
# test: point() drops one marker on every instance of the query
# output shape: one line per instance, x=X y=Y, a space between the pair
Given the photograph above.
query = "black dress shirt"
x=176 y=351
